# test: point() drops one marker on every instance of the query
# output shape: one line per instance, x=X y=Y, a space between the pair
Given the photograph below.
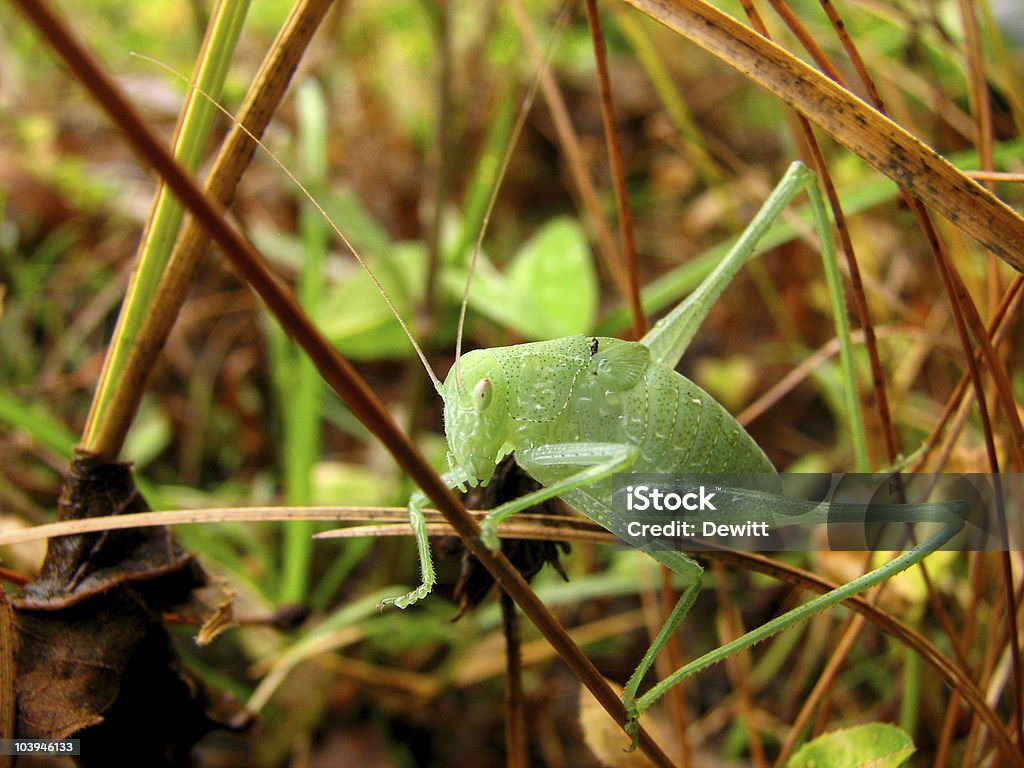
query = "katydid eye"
x=482 y=394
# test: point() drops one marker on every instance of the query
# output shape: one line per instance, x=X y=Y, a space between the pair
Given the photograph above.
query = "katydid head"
x=476 y=414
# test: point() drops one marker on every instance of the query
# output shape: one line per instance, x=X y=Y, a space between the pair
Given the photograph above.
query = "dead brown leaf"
x=93 y=658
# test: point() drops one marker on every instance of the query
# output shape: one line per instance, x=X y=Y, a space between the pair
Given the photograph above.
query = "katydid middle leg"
x=950 y=514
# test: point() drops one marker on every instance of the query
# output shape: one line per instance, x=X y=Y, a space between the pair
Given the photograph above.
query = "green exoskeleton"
x=577 y=410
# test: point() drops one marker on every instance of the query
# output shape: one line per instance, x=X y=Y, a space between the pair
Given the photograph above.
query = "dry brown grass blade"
x=627 y=237
x=391 y=521
x=7 y=641
x=878 y=140
x=516 y=753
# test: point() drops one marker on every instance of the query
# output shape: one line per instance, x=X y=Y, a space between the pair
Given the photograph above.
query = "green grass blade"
x=167 y=212
x=858 y=438
x=301 y=387
x=22 y=417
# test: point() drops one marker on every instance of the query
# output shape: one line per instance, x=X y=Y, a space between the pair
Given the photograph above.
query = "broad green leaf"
x=554 y=276
x=875 y=745
x=355 y=317
x=345 y=483
x=150 y=433
x=549 y=289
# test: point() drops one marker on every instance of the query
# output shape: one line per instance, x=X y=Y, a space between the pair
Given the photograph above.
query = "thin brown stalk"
x=981 y=110
x=978 y=581
x=336 y=370
x=438 y=181
x=570 y=144
x=738 y=668
x=1007 y=176
x=847 y=639
x=516 y=755
x=13 y=577
x=993 y=650
x=997 y=329
x=670 y=660
x=807 y=41
x=852 y=53
x=611 y=134
x=442 y=152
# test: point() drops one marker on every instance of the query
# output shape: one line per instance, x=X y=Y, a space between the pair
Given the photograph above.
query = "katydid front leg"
x=605 y=460
x=601 y=460
x=456 y=478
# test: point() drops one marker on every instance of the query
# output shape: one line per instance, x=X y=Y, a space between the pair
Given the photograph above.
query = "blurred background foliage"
x=702 y=147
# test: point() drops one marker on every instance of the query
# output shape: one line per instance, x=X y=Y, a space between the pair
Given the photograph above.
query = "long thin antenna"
x=309 y=196
x=559 y=27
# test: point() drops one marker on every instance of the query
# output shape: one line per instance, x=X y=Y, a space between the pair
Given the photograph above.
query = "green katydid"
x=577 y=410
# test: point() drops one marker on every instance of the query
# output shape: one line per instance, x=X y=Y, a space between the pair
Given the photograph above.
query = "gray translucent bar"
x=818 y=512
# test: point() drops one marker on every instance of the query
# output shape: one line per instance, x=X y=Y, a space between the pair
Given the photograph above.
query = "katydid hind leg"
x=670 y=336
x=950 y=514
